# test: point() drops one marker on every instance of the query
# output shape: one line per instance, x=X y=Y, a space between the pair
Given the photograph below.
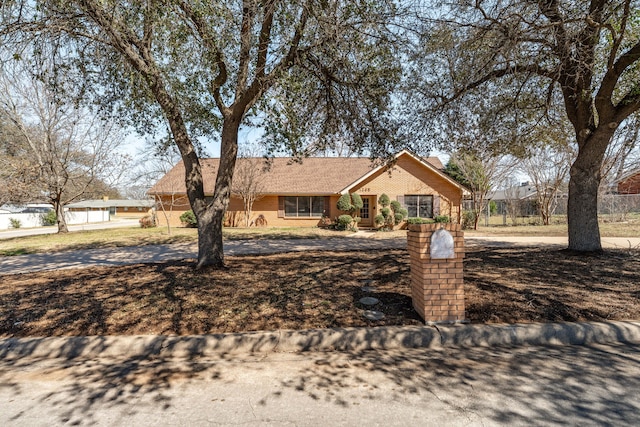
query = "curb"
x=347 y=339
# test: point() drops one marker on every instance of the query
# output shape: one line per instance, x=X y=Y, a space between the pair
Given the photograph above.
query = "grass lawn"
x=313 y=290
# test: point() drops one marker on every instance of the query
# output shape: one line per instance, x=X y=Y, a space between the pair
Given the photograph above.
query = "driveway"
x=159 y=253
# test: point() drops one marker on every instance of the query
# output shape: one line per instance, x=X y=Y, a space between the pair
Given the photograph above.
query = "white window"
x=419 y=206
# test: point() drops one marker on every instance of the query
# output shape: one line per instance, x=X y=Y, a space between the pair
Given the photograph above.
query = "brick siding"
x=437 y=285
x=407 y=176
x=630 y=185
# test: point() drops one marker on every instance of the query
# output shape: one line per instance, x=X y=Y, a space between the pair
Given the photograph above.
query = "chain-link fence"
x=611 y=207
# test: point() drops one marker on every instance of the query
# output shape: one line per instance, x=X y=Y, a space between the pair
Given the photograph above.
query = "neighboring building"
x=301 y=194
x=28 y=216
x=521 y=199
x=37 y=208
x=629 y=183
x=119 y=208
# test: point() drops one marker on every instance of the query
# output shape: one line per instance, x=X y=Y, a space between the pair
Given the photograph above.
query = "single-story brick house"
x=302 y=193
x=120 y=208
x=629 y=183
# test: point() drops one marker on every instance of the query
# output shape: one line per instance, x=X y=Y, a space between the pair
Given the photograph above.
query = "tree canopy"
x=541 y=62
x=304 y=70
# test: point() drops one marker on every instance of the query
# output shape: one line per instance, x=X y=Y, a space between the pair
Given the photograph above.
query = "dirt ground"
x=313 y=290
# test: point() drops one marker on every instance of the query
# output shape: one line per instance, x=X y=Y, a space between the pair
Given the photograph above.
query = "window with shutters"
x=419 y=206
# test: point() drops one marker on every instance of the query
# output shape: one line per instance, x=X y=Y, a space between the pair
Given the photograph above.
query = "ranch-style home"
x=305 y=193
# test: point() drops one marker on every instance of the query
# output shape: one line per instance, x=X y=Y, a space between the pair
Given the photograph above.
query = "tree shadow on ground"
x=575 y=385
x=504 y=386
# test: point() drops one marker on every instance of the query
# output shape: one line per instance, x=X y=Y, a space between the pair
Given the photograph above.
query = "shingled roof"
x=314 y=175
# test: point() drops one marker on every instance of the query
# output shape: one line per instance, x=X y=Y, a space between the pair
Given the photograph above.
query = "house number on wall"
x=364 y=190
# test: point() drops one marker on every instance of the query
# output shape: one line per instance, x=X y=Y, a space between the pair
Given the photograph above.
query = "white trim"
x=413 y=156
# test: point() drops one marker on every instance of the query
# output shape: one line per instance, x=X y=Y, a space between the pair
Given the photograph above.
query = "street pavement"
x=593 y=385
x=472 y=375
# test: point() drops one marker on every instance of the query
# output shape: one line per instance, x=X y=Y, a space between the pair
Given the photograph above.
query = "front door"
x=366 y=213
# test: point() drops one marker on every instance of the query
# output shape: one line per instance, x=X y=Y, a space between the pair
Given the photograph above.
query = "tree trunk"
x=211 y=218
x=584 y=182
x=210 y=249
x=60 y=219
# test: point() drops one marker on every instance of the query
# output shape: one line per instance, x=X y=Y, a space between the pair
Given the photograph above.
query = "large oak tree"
x=580 y=58
x=207 y=68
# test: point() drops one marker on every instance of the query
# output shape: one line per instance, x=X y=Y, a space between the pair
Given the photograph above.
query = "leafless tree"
x=623 y=155
x=512 y=199
x=548 y=168
x=480 y=172
x=248 y=182
x=68 y=151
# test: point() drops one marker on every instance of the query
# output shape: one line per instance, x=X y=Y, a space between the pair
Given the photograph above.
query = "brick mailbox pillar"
x=437 y=286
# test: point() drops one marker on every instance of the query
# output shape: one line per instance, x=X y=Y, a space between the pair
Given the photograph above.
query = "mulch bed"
x=313 y=290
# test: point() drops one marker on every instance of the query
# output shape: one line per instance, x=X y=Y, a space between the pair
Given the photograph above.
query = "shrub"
x=147 y=221
x=344 y=203
x=398 y=217
x=189 y=219
x=356 y=201
x=401 y=213
x=350 y=203
x=261 y=221
x=418 y=221
x=442 y=218
x=392 y=213
x=493 y=208
x=49 y=218
x=468 y=220
x=15 y=222
x=344 y=222
x=379 y=220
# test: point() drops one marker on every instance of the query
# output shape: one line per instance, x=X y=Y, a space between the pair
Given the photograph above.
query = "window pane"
x=291 y=206
x=317 y=206
x=364 y=212
x=426 y=206
x=304 y=206
x=411 y=203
